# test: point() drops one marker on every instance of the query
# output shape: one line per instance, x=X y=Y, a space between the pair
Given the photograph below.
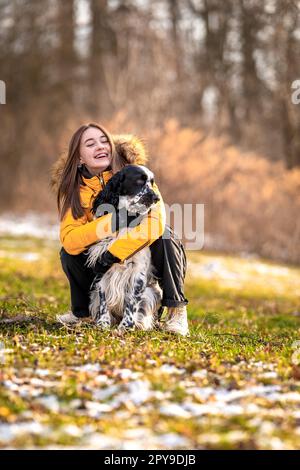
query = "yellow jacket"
x=77 y=235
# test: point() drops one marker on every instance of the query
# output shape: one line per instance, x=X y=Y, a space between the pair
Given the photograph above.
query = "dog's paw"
x=123 y=329
x=103 y=324
x=118 y=333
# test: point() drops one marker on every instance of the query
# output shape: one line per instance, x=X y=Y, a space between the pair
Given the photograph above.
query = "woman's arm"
x=150 y=229
x=78 y=234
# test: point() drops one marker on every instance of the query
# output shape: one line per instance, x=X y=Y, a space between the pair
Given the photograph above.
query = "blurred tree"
x=24 y=63
x=251 y=23
x=224 y=66
x=102 y=46
x=287 y=69
x=64 y=53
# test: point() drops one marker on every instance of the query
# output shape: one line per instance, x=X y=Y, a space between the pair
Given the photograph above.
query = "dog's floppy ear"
x=111 y=193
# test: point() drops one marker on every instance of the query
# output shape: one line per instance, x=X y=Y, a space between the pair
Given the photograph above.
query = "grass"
x=234 y=384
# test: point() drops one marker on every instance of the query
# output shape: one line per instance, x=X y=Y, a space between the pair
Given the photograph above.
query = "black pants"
x=168 y=258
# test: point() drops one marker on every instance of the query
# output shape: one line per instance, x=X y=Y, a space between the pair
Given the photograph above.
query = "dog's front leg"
x=131 y=304
x=102 y=318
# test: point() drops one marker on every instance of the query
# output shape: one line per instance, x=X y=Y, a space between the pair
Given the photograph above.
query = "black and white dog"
x=128 y=294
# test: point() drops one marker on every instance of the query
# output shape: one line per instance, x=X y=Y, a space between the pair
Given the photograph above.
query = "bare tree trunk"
x=65 y=54
x=102 y=44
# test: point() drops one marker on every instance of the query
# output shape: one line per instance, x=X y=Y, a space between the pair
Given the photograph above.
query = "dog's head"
x=130 y=189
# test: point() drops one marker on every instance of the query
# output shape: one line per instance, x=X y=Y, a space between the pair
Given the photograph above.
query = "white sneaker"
x=176 y=321
x=68 y=319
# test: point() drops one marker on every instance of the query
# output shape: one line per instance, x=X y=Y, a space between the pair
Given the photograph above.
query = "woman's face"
x=95 y=151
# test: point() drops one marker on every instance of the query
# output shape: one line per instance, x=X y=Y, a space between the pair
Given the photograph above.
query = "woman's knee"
x=165 y=237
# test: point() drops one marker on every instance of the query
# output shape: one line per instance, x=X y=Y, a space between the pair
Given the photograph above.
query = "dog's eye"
x=140 y=181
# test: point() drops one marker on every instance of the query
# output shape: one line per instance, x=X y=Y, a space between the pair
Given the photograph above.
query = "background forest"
x=211 y=86
x=206 y=83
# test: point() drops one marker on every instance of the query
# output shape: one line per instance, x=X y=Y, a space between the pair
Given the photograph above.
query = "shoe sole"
x=176 y=332
x=68 y=325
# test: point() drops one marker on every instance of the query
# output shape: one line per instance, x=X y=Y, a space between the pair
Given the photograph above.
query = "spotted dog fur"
x=128 y=295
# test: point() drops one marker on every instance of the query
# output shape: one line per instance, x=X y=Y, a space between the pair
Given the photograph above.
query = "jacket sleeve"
x=150 y=229
x=77 y=234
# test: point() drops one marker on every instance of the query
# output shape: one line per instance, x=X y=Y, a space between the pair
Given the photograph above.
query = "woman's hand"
x=105 y=263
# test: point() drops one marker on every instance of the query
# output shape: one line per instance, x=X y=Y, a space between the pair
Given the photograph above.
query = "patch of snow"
x=102 y=379
x=270 y=392
x=201 y=374
x=219 y=408
x=170 y=369
x=50 y=402
x=95 y=410
x=175 y=410
x=268 y=375
x=30 y=224
x=42 y=372
x=101 y=442
x=172 y=440
x=88 y=368
x=104 y=393
x=267 y=269
x=126 y=374
x=139 y=391
x=10 y=431
x=75 y=403
x=72 y=430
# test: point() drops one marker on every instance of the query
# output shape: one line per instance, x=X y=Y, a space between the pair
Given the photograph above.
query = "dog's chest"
x=118 y=283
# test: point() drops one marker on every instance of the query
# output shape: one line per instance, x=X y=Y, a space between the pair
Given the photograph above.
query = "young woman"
x=94 y=155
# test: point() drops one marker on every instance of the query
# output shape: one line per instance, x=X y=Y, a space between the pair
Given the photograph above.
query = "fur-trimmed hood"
x=128 y=146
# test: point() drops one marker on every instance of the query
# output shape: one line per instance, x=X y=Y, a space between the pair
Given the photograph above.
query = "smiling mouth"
x=101 y=155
